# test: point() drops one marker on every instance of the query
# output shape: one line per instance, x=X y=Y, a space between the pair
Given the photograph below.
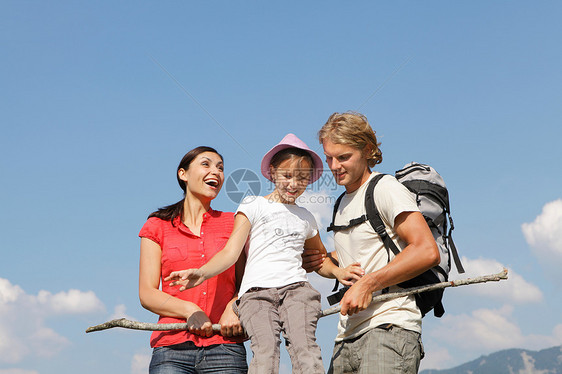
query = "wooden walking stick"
x=134 y=325
x=125 y=323
x=430 y=287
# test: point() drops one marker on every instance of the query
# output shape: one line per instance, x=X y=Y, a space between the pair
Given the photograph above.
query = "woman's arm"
x=161 y=303
x=312 y=259
x=220 y=262
x=347 y=276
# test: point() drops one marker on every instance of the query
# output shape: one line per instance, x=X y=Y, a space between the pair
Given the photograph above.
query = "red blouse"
x=181 y=249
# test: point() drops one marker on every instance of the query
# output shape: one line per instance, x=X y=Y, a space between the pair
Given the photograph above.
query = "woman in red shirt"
x=186 y=235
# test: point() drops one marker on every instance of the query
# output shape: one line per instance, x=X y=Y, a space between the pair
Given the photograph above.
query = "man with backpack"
x=382 y=337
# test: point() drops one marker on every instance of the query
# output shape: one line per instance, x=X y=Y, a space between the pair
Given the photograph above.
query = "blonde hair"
x=353 y=129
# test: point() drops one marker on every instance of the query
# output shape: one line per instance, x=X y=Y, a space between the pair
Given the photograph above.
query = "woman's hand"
x=198 y=322
x=312 y=259
x=230 y=324
x=351 y=274
x=186 y=278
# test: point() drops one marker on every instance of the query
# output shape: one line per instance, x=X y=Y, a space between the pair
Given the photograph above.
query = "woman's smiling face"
x=204 y=176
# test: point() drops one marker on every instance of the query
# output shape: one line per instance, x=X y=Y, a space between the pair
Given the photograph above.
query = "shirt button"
x=202 y=255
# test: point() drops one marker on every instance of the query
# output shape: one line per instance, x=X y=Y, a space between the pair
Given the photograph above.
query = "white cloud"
x=71 y=302
x=12 y=350
x=544 y=234
x=8 y=292
x=435 y=359
x=140 y=363
x=120 y=312
x=22 y=320
x=557 y=333
x=515 y=289
x=45 y=342
x=484 y=330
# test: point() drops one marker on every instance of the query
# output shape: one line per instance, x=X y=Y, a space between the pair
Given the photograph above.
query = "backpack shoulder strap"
x=353 y=222
x=333 y=227
x=454 y=251
x=374 y=217
x=335 y=298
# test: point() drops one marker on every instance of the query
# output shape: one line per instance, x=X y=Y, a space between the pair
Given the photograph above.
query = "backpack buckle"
x=336 y=297
x=381 y=230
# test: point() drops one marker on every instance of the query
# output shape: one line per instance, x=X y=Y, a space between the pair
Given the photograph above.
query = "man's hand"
x=357 y=298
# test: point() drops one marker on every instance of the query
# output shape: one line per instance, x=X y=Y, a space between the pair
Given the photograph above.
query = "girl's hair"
x=353 y=129
x=170 y=212
x=291 y=154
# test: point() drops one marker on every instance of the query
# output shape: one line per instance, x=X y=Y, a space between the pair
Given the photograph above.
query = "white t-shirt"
x=362 y=244
x=276 y=242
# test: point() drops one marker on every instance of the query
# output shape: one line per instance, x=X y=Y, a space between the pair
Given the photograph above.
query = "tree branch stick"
x=414 y=290
x=134 y=325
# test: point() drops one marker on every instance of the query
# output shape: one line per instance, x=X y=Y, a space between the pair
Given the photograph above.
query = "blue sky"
x=100 y=100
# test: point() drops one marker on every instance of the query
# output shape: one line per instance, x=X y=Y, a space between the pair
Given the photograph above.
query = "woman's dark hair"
x=170 y=212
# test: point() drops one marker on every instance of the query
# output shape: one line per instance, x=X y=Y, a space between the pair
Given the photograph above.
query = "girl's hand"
x=186 y=278
x=351 y=274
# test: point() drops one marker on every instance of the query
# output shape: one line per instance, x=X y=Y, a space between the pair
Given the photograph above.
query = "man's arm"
x=420 y=254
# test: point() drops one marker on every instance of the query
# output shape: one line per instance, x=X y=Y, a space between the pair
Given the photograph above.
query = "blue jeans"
x=186 y=358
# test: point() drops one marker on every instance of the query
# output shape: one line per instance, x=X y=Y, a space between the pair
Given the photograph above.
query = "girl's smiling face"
x=204 y=176
x=291 y=177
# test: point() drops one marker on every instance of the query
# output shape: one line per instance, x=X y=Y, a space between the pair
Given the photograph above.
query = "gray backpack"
x=432 y=198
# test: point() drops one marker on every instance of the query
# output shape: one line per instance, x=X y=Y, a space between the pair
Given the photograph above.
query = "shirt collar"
x=184 y=229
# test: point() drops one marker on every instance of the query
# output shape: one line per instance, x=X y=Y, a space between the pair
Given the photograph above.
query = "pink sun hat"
x=291 y=141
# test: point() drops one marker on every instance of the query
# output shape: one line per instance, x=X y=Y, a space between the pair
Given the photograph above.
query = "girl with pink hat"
x=275 y=296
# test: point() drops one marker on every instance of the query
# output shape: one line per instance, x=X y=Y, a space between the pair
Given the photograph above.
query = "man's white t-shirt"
x=362 y=244
x=276 y=242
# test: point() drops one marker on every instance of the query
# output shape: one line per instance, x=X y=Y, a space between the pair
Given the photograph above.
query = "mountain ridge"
x=510 y=361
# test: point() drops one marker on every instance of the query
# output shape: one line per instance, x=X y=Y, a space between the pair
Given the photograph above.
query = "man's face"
x=348 y=165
